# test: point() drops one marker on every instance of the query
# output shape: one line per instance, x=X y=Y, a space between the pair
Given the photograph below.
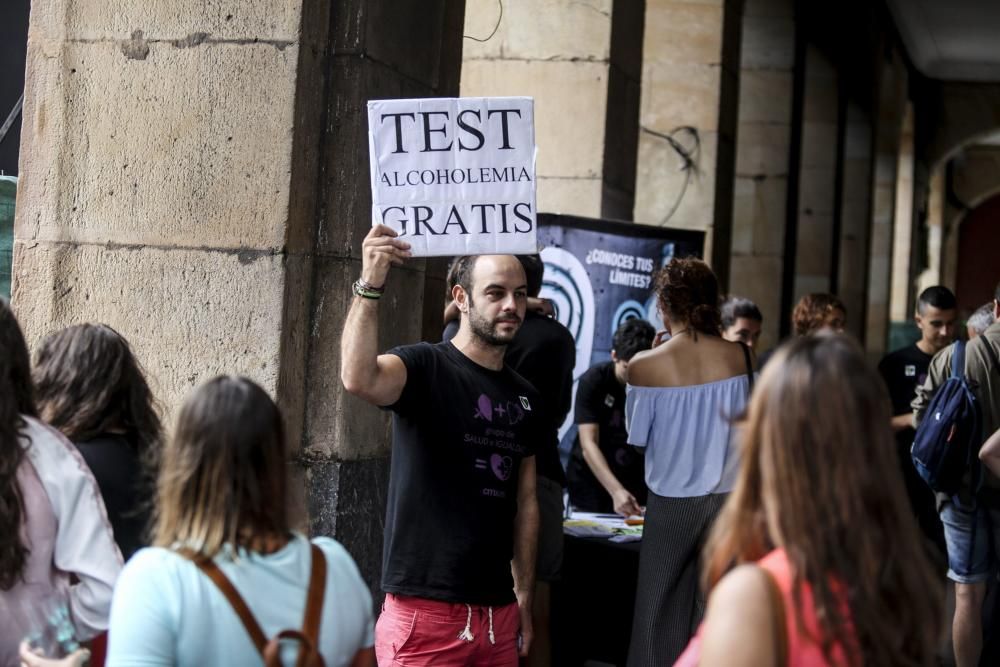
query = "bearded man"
x=461 y=524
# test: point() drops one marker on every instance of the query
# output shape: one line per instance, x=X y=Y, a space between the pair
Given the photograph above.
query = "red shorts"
x=418 y=631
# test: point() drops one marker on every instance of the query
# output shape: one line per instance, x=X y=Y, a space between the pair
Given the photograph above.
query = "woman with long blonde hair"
x=228 y=575
x=815 y=558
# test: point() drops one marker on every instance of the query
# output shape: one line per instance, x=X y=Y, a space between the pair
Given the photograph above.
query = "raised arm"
x=525 y=548
x=378 y=379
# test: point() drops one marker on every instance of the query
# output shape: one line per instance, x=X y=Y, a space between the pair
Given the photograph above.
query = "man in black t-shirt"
x=606 y=473
x=903 y=371
x=462 y=517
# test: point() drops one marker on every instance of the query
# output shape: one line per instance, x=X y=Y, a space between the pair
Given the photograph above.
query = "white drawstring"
x=466 y=635
x=492 y=639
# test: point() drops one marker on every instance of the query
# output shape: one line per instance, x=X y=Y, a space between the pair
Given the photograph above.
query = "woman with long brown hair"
x=89 y=386
x=58 y=559
x=680 y=400
x=816 y=558
x=228 y=572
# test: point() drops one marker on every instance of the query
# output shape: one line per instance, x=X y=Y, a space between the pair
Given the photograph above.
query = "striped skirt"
x=669 y=603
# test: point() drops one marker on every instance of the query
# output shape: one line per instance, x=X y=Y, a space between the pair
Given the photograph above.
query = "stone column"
x=901 y=297
x=855 y=210
x=935 y=226
x=767 y=62
x=890 y=105
x=196 y=175
x=581 y=63
x=690 y=89
x=817 y=176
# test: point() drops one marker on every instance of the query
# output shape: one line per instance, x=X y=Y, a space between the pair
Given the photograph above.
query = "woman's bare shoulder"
x=738 y=619
x=644 y=368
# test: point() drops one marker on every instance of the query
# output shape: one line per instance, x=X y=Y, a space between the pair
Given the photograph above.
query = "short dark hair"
x=632 y=336
x=534 y=269
x=461 y=271
x=736 y=307
x=938 y=296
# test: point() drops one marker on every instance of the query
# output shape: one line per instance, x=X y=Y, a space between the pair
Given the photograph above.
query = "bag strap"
x=777 y=608
x=958 y=360
x=749 y=362
x=314 y=598
x=309 y=636
x=212 y=571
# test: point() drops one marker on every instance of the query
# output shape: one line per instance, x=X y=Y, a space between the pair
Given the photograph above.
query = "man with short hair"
x=903 y=371
x=971 y=518
x=605 y=473
x=461 y=519
x=741 y=321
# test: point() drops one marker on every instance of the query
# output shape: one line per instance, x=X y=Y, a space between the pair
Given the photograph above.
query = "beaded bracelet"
x=364 y=290
x=371 y=288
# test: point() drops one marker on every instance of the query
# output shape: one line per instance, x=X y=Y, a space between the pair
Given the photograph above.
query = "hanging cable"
x=495 y=28
x=689 y=159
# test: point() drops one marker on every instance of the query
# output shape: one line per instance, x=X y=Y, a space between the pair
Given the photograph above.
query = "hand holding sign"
x=455 y=176
x=379 y=251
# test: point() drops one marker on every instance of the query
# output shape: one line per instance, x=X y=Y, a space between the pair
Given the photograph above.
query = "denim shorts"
x=972 y=536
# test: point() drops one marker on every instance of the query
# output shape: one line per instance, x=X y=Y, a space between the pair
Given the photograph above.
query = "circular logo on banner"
x=567 y=286
x=628 y=310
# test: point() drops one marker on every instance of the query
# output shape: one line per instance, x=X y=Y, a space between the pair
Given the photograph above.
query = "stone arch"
x=960 y=114
x=973 y=178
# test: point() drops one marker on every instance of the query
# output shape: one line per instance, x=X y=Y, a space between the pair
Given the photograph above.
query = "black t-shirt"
x=600 y=399
x=543 y=352
x=460 y=432
x=902 y=371
x=125 y=492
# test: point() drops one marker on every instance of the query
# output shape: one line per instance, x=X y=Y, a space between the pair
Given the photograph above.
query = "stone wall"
x=688 y=117
x=580 y=61
x=196 y=176
x=767 y=62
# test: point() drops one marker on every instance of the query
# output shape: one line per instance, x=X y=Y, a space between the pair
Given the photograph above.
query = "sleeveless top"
x=688 y=433
x=803 y=651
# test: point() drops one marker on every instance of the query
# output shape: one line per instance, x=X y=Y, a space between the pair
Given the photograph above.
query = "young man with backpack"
x=905 y=369
x=971 y=513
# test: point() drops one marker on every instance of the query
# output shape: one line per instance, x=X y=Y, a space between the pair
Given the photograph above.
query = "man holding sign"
x=462 y=519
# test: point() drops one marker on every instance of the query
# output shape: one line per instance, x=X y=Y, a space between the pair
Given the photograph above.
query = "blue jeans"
x=972 y=534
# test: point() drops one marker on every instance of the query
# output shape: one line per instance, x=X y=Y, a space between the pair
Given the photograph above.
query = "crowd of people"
x=784 y=520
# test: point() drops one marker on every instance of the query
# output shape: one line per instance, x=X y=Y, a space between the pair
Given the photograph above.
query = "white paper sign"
x=455 y=176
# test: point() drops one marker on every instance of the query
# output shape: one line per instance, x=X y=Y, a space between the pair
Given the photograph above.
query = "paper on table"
x=610 y=526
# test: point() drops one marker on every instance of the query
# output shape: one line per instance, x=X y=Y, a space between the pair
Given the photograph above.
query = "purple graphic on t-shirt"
x=484 y=408
x=502 y=466
x=616 y=419
x=510 y=412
